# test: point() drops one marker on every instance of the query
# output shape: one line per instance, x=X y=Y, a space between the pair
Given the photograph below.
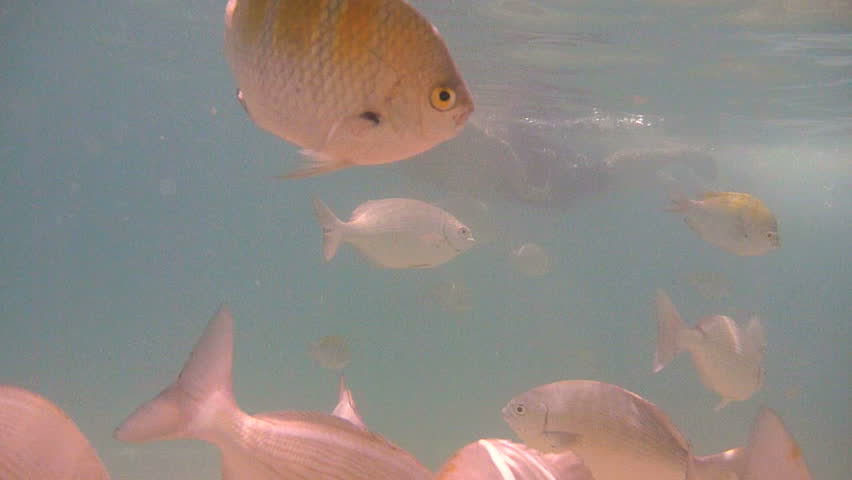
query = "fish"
x=531 y=260
x=331 y=352
x=351 y=82
x=500 y=459
x=39 y=440
x=738 y=223
x=618 y=434
x=772 y=452
x=728 y=357
x=396 y=233
x=200 y=405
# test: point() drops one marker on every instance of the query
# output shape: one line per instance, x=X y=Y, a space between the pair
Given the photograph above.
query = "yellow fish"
x=736 y=222
x=352 y=82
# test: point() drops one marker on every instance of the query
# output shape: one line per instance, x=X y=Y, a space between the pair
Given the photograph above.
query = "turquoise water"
x=137 y=196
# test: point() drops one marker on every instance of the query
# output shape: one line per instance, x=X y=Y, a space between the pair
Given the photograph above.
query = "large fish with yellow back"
x=352 y=82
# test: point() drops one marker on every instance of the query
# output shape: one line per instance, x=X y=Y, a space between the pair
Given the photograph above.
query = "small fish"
x=772 y=452
x=710 y=285
x=531 y=260
x=618 y=434
x=331 y=352
x=396 y=233
x=200 y=404
x=736 y=222
x=352 y=82
x=498 y=459
x=40 y=441
x=729 y=358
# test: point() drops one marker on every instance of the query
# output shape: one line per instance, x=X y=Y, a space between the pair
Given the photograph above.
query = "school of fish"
x=371 y=82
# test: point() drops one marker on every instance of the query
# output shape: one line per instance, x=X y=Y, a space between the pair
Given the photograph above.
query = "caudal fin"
x=669 y=325
x=332 y=233
x=194 y=405
x=678 y=203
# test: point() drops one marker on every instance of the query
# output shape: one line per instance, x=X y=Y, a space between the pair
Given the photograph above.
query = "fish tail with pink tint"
x=200 y=403
x=669 y=326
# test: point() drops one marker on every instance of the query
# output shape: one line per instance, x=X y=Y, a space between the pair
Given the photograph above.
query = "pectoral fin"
x=562 y=440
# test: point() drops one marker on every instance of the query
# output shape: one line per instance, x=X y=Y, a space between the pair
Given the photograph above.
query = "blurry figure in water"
x=549 y=161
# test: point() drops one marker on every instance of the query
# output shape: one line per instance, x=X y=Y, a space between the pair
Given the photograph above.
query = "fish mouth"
x=462 y=116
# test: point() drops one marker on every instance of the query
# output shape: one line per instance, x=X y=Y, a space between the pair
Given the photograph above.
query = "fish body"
x=618 y=434
x=728 y=357
x=396 y=233
x=772 y=452
x=736 y=222
x=270 y=446
x=352 y=82
x=498 y=459
x=40 y=441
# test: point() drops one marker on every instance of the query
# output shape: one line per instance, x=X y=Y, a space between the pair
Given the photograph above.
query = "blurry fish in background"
x=618 y=434
x=331 y=352
x=531 y=260
x=498 y=459
x=772 y=452
x=710 y=285
x=729 y=358
x=40 y=441
x=396 y=233
x=451 y=295
x=291 y=444
x=352 y=82
x=736 y=222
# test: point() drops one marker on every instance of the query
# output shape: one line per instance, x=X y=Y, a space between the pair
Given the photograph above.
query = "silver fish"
x=729 y=358
x=40 y=441
x=618 y=434
x=396 y=233
x=279 y=445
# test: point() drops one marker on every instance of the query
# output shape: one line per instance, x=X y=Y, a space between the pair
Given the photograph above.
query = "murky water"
x=137 y=196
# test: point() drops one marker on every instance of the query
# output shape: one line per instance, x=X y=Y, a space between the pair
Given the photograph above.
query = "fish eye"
x=443 y=98
x=464 y=232
x=520 y=409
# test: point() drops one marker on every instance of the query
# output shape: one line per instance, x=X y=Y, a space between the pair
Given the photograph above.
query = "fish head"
x=526 y=415
x=458 y=235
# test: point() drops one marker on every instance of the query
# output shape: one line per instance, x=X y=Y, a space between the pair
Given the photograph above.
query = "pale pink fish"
x=618 y=434
x=396 y=233
x=40 y=441
x=498 y=459
x=281 y=445
x=772 y=452
x=728 y=357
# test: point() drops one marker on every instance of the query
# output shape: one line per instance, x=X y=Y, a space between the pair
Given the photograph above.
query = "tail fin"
x=346 y=407
x=202 y=393
x=772 y=452
x=332 y=234
x=669 y=325
x=678 y=203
